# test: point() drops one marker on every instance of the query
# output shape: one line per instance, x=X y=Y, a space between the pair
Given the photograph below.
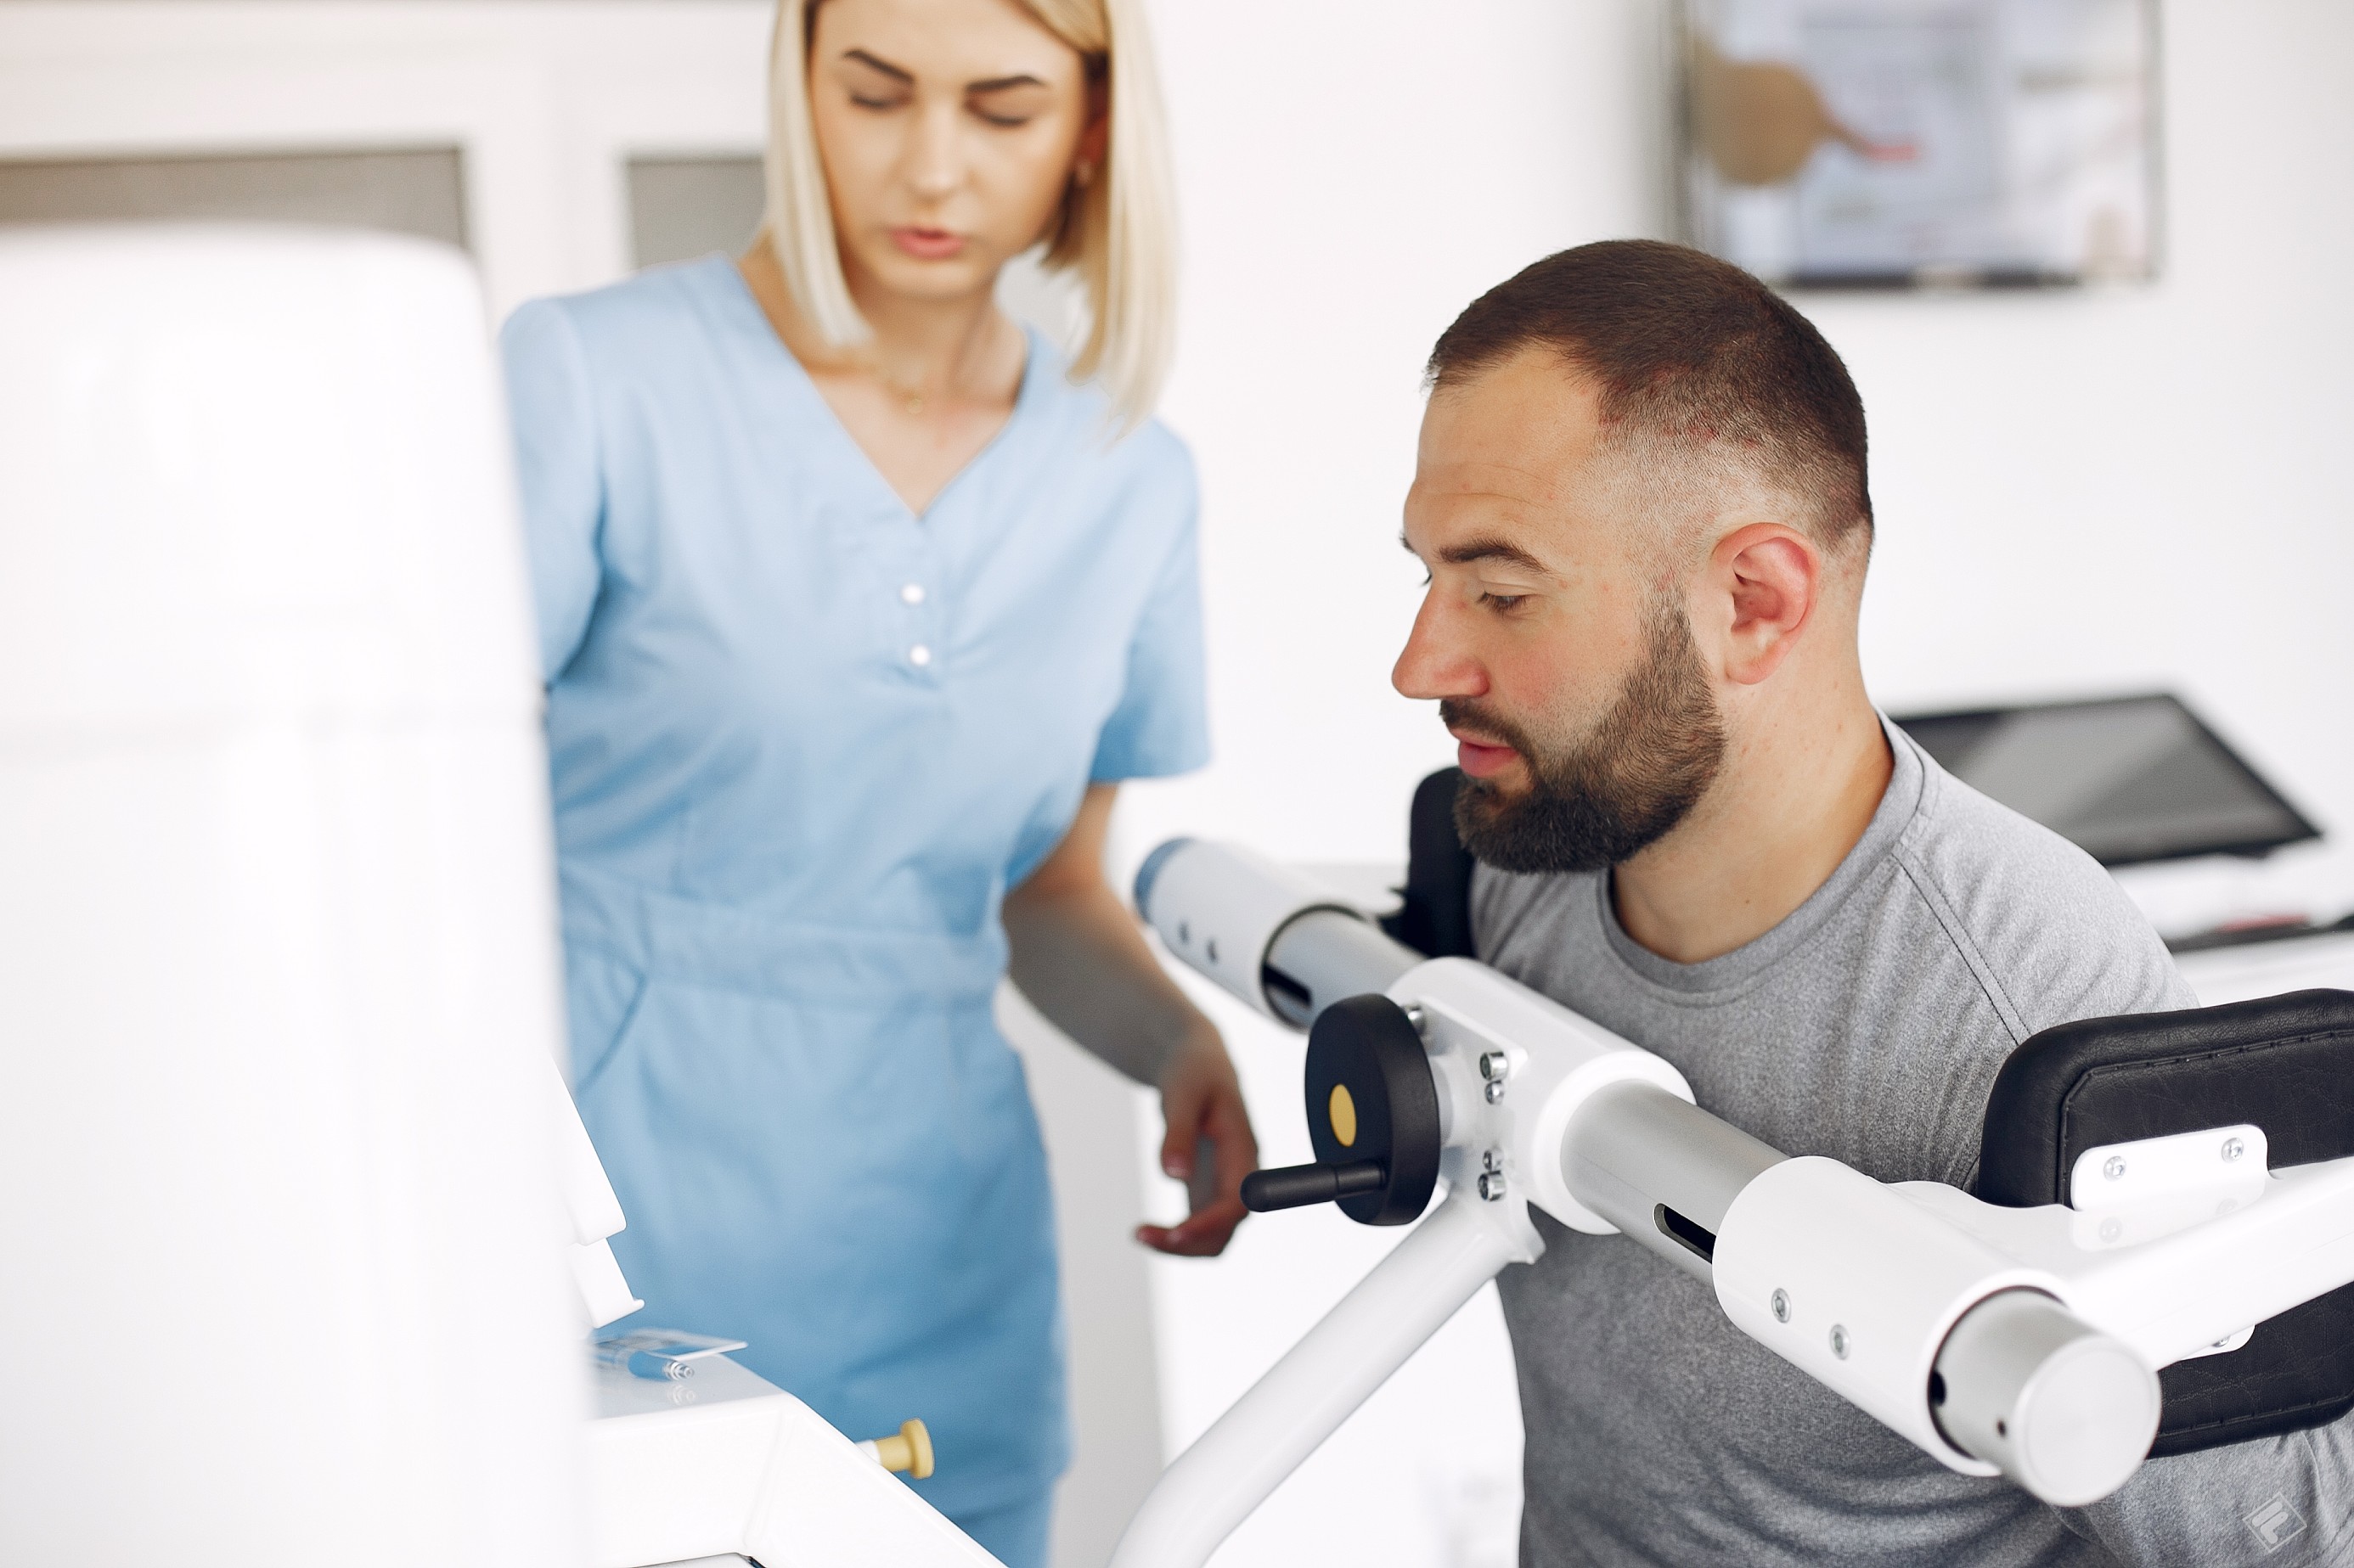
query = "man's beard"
x=1622 y=787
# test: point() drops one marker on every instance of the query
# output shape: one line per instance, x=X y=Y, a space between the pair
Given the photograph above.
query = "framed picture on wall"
x=1950 y=143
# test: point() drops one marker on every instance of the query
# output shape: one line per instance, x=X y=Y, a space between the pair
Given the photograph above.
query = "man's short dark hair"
x=1688 y=349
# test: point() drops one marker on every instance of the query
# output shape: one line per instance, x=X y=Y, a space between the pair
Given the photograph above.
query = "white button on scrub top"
x=919 y=655
x=913 y=593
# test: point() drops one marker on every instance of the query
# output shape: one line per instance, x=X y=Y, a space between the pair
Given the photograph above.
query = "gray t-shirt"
x=1868 y=1026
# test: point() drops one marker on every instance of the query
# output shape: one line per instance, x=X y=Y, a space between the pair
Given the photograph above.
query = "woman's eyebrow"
x=1000 y=83
x=862 y=57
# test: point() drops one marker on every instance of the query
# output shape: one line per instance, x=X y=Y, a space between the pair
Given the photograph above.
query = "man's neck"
x=1791 y=801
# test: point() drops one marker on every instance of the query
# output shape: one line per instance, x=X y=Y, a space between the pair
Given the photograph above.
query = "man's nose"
x=1433 y=664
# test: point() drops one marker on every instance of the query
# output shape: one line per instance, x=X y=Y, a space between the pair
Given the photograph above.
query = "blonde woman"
x=857 y=603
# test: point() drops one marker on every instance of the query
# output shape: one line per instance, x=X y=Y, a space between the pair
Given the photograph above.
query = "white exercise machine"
x=2019 y=1340
x=302 y=1236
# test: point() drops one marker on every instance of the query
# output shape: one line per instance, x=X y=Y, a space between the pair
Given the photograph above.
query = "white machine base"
x=728 y=1464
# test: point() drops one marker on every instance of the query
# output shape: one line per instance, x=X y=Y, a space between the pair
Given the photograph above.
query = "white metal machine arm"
x=2018 y=1341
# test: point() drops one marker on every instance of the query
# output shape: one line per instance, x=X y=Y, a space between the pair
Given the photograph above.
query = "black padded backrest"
x=2285 y=1064
x=1434 y=919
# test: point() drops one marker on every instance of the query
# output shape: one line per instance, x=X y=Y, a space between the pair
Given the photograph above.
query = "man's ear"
x=1769 y=576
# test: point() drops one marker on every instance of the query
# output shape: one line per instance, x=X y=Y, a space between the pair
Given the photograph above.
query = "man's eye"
x=1505 y=601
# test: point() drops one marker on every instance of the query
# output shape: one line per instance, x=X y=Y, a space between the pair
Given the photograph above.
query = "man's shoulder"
x=2047 y=932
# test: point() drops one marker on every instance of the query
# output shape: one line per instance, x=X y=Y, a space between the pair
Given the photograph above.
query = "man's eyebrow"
x=1492 y=549
x=862 y=57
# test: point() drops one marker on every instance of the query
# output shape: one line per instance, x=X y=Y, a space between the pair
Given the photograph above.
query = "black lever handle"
x=1296 y=1186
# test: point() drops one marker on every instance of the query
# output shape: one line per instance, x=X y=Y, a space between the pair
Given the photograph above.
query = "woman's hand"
x=1203 y=1104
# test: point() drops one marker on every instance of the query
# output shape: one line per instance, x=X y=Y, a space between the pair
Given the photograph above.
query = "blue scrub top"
x=802 y=742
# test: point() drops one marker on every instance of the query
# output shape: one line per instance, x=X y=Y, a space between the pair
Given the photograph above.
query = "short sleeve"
x=558 y=470
x=1162 y=724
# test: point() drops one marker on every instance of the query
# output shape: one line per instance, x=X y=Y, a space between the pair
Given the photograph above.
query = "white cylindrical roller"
x=2066 y=1411
x=1220 y=908
x=286 y=1276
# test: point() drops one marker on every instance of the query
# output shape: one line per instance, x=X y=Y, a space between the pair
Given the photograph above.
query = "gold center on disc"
x=1344 y=1112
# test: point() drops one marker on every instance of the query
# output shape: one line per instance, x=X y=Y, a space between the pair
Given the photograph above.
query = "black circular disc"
x=1366 y=1047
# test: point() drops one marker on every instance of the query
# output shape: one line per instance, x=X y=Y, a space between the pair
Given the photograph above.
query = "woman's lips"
x=1481 y=760
x=927 y=244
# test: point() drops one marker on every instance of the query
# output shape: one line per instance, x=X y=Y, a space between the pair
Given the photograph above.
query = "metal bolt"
x=1490 y=1160
x=1781 y=1305
x=1491 y=1185
x=2233 y=1149
x=2114 y=1167
x=1839 y=1342
x=1495 y=1065
x=1495 y=1090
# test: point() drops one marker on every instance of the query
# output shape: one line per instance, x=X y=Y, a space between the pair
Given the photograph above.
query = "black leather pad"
x=1434 y=920
x=2284 y=1063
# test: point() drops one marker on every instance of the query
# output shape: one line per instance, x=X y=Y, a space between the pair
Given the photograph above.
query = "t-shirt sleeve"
x=1161 y=723
x=559 y=474
x=2283 y=1502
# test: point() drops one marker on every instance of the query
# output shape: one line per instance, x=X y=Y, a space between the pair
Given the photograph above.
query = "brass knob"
x=910 y=1451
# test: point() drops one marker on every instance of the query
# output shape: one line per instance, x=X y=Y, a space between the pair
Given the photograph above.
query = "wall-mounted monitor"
x=1953 y=142
x=2125 y=778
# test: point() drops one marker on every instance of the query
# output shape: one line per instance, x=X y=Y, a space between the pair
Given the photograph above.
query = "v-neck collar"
x=1025 y=397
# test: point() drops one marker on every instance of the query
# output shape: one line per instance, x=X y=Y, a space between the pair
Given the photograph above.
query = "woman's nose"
x=938 y=162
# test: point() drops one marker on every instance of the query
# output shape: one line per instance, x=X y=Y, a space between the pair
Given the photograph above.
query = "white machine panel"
x=728 y=1463
x=278 y=968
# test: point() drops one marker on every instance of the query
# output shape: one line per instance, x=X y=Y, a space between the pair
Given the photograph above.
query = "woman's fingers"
x=1204 y=1103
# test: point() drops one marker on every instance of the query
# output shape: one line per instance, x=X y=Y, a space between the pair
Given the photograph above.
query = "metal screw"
x=1781 y=1305
x=1491 y=1185
x=2114 y=1167
x=2233 y=1149
x=1840 y=1344
x=1495 y=1090
x=1490 y=1160
x=1495 y=1065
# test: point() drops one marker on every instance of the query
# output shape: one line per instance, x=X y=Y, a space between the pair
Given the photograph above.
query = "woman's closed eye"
x=873 y=85
x=1009 y=107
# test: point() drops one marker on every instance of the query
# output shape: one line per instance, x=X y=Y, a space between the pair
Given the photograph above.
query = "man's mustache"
x=1469 y=713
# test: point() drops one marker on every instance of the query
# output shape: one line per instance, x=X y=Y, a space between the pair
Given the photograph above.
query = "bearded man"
x=1641 y=497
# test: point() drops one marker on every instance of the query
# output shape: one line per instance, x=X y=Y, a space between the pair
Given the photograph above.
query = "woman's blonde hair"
x=1116 y=232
